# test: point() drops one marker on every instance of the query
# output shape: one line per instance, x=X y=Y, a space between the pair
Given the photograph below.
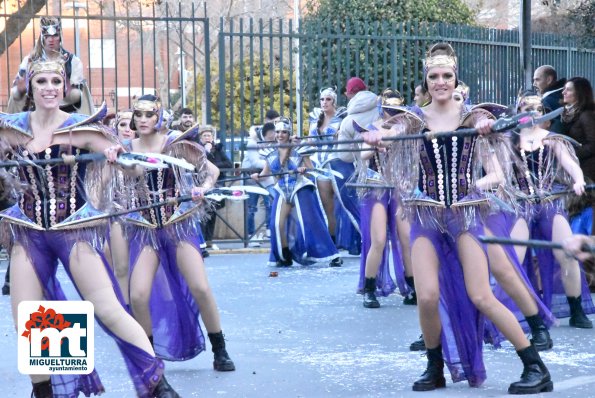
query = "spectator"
x=186 y=119
x=362 y=108
x=271 y=116
x=421 y=97
x=255 y=162
x=216 y=155
x=49 y=47
x=578 y=121
x=461 y=93
x=545 y=80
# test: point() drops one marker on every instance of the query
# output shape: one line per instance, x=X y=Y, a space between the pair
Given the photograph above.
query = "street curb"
x=246 y=250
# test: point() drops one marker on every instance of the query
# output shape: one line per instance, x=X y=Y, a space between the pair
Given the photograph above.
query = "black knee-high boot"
x=6 y=287
x=578 y=319
x=43 y=389
x=535 y=377
x=287 y=258
x=164 y=390
x=221 y=362
x=411 y=299
x=370 y=300
x=540 y=336
x=433 y=377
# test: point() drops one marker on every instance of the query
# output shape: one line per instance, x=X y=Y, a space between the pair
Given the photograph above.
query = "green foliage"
x=248 y=95
x=584 y=18
x=453 y=11
x=381 y=41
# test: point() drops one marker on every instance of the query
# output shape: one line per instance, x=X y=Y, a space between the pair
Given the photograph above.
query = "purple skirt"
x=462 y=324
x=552 y=290
x=501 y=224
x=307 y=233
x=45 y=249
x=385 y=284
x=177 y=335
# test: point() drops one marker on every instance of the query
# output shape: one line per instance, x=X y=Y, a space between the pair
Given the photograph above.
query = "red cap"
x=355 y=85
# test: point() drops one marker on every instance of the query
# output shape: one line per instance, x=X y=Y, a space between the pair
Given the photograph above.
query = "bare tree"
x=17 y=22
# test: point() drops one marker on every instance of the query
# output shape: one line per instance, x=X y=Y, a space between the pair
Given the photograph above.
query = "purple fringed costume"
x=552 y=290
x=501 y=224
x=540 y=173
x=177 y=335
x=385 y=285
x=437 y=179
x=54 y=198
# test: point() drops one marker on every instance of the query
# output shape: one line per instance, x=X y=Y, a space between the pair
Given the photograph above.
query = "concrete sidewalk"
x=305 y=334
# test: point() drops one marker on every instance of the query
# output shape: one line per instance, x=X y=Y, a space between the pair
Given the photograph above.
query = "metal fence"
x=273 y=64
x=231 y=72
x=128 y=48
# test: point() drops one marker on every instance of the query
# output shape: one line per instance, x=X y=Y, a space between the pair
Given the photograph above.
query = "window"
x=102 y=53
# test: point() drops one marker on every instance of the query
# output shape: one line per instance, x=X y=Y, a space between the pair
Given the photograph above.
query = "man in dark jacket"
x=216 y=155
x=545 y=80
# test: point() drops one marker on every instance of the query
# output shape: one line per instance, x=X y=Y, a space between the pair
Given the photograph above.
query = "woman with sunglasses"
x=50 y=222
x=168 y=283
x=298 y=229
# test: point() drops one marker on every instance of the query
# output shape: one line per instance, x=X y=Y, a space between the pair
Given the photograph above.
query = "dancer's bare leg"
x=327 y=196
x=141 y=284
x=509 y=279
x=25 y=286
x=571 y=274
x=94 y=284
x=425 y=272
x=377 y=240
x=404 y=232
x=120 y=257
x=192 y=268
x=283 y=215
x=475 y=269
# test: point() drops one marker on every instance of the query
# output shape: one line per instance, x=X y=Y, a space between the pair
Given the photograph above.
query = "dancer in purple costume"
x=168 y=280
x=116 y=249
x=34 y=232
x=548 y=164
x=501 y=220
x=379 y=207
x=449 y=264
x=517 y=294
x=298 y=227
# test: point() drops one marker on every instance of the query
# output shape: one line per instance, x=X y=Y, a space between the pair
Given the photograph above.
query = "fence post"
x=222 y=121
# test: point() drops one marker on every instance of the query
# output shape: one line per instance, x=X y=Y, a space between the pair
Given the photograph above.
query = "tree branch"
x=17 y=22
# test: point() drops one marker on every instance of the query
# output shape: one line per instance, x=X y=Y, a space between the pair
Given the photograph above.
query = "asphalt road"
x=306 y=334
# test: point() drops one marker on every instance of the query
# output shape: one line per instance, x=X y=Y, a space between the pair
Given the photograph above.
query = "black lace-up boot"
x=411 y=299
x=164 y=390
x=540 y=336
x=221 y=362
x=433 y=377
x=43 y=389
x=418 y=345
x=370 y=300
x=578 y=319
x=535 y=377
x=288 y=262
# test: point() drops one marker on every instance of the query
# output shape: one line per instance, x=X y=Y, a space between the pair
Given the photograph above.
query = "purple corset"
x=52 y=193
x=445 y=173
